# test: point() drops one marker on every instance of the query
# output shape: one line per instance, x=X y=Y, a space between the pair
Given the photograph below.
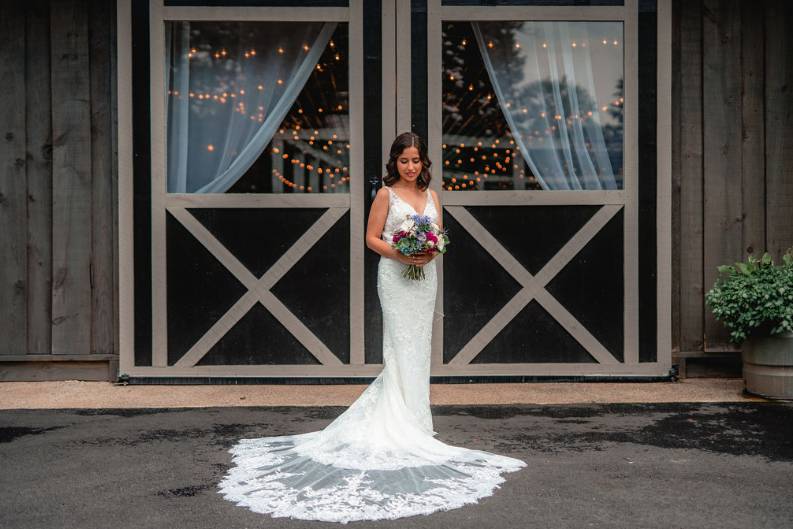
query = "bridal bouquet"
x=418 y=234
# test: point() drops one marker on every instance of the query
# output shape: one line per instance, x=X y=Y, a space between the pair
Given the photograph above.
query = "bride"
x=379 y=459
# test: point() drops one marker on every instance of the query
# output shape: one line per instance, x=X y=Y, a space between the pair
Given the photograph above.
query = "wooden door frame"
x=627 y=198
x=161 y=202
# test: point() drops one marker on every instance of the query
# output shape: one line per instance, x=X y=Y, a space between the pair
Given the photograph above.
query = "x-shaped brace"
x=258 y=289
x=533 y=286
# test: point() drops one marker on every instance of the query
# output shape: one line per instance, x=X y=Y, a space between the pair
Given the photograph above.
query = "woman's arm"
x=374 y=228
x=438 y=207
x=439 y=221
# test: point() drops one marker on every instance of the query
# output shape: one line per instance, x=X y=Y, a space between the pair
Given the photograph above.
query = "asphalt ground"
x=606 y=465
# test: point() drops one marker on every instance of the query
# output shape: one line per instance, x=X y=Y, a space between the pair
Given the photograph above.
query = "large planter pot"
x=768 y=365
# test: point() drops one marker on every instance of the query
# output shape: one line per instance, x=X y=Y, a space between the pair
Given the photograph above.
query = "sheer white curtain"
x=223 y=110
x=545 y=86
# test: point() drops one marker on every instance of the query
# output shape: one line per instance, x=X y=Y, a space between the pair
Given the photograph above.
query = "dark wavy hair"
x=402 y=142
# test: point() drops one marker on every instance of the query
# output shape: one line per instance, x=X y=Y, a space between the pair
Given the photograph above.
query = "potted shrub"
x=754 y=300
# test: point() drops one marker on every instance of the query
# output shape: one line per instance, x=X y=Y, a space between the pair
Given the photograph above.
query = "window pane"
x=490 y=3
x=532 y=105
x=257 y=107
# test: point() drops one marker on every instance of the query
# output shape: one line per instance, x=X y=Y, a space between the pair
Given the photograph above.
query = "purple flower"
x=421 y=219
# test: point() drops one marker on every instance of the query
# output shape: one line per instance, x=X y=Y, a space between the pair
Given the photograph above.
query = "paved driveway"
x=598 y=465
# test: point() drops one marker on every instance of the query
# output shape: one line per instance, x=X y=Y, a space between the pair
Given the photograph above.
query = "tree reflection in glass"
x=532 y=105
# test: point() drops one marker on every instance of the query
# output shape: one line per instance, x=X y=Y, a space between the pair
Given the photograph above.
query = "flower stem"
x=413 y=272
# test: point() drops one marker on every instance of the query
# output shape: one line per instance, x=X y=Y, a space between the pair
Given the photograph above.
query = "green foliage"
x=754 y=297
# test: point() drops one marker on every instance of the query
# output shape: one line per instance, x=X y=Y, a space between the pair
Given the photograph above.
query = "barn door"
x=542 y=122
x=244 y=188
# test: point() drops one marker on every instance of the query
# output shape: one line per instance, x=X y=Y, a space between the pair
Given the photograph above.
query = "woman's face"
x=409 y=164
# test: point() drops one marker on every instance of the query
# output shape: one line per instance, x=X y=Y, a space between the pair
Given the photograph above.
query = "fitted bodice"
x=398 y=210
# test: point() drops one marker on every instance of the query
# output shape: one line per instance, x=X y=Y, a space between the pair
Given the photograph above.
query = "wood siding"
x=58 y=289
x=732 y=150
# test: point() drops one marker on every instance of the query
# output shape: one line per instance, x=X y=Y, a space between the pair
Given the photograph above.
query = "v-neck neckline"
x=426 y=201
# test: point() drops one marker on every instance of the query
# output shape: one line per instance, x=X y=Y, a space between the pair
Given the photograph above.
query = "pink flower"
x=431 y=237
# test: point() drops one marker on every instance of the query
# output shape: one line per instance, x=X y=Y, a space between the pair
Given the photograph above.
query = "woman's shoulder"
x=383 y=193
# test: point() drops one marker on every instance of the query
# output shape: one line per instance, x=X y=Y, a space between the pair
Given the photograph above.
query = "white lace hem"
x=272 y=476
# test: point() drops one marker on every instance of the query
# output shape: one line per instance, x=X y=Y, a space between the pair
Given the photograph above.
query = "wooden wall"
x=57 y=189
x=732 y=170
x=732 y=149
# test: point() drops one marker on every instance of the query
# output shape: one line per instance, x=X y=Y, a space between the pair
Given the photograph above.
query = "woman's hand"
x=418 y=259
x=422 y=258
x=402 y=258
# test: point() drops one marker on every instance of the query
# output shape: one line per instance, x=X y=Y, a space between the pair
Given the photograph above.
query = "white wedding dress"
x=379 y=459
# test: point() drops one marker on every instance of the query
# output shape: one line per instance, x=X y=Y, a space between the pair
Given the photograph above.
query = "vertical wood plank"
x=676 y=172
x=101 y=16
x=722 y=144
x=114 y=187
x=753 y=130
x=403 y=69
x=664 y=185
x=691 y=193
x=124 y=189
x=39 y=178
x=631 y=132
x=357 y=187
x=71 y=175
x=13 y=188
x=779 y=127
